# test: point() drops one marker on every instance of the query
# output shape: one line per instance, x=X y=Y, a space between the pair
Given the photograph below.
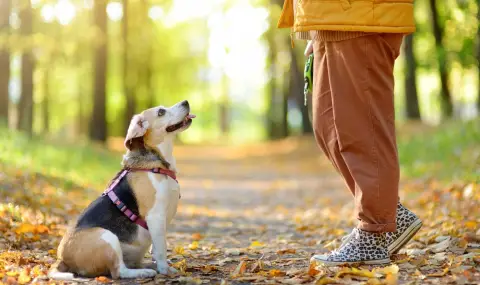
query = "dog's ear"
x=137 y=129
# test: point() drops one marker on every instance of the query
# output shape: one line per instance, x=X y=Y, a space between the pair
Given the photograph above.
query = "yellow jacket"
x=384 y=16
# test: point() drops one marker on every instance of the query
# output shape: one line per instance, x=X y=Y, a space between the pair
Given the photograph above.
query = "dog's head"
x=154 y=125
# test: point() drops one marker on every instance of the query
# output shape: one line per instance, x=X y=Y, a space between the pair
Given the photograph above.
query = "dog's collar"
x=120 y=205
x=158 y=170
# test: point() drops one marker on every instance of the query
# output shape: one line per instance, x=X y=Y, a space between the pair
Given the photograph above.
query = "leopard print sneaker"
x=363 y=247
x=408 y=224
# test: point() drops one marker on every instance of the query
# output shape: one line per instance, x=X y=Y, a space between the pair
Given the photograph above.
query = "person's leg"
x=361 y=83
x=323 y=121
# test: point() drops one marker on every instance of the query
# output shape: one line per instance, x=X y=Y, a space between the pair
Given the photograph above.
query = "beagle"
x=112 y=235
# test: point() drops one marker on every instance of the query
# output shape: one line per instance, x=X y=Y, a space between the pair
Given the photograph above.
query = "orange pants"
x=354 y=120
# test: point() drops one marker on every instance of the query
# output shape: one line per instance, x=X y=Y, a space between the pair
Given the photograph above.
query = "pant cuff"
x=377 y=228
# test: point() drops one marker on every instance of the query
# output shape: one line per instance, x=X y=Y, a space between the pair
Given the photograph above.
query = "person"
x=355 y=45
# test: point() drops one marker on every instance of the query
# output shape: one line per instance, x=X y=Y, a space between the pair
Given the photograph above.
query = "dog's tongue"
x=191 y=116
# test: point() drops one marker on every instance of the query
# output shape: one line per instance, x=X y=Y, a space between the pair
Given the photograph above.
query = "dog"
x=112 y=235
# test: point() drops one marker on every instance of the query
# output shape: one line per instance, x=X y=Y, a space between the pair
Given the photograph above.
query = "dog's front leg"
x=157 y=226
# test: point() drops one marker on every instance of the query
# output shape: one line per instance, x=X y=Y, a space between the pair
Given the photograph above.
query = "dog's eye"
x=161 y=112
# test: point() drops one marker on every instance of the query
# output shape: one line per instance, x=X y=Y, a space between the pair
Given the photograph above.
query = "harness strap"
x=120 y=205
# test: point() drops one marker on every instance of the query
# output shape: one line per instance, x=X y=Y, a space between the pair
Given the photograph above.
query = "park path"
x=251 y=215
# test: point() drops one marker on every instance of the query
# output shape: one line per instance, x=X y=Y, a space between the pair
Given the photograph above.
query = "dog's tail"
x=58 y=271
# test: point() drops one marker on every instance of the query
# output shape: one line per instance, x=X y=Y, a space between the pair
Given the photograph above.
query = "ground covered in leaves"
x=248 y=215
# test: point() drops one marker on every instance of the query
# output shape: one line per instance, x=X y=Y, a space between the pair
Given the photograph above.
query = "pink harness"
x=120 y=205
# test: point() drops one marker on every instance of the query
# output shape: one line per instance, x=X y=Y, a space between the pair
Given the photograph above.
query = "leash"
x=120 y=205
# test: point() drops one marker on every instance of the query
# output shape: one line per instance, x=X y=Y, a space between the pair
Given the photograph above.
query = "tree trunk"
x=5 y=6
x=446 y=97
x=284 y=131
x=45 y=102
x=25 y=112
x=478 y=57
x=411 y=96
x=296 y=90
x=98 y=123
x=272 y=56
x=127 y=84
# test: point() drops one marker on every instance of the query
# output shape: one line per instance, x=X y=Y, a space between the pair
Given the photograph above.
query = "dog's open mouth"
x=184 y=123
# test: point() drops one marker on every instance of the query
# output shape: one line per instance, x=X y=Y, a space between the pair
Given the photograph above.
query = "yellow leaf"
x=52 y=251
x=257 y=244
x=326 y=280
x=41 y=229
x=471 y=225
x=193 y=245
x=276 y=273
x=179 y=250
x=12 y=273
x=355 y=271
x=391 y=279
x=23 y=278
x=439 y=274
x=181 y=265
x=25 y=228
x=392 y=269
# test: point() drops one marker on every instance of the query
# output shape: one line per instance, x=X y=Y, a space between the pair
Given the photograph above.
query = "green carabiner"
x=308 y=78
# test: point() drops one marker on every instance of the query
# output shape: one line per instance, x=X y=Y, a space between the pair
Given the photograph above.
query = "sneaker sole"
x=337 y=263
x=405 y=237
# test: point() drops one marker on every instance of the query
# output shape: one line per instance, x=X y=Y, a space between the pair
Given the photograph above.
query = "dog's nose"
x=185 y=104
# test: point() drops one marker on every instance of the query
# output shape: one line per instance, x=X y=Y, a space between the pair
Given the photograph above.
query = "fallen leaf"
x=102 y=279
x=181 y=266
x=326 y=280
x=197 y=236
x=257 y=266
x=193 y=245
x=179 y=250
x=472 y=225
x=242 y=266
x=257 y=244
x=24 y=278
x=286 y=251
x=276 y=273
x=354 y=271
x=439 y=274
x=392 y=269
x=208 y=268
x=25 y=228
x=312 y=270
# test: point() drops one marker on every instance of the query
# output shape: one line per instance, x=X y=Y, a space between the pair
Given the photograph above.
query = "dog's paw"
x=145 y=273
x=137 y=273
x=165 y=269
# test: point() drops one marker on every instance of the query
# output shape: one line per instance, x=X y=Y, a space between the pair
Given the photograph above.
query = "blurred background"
x=79 y=69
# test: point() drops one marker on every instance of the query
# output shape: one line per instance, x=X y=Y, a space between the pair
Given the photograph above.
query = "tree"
x=127 y=78
x=5 y=7
x=411 y=96
x=446 y=97
x=478 y=55
x=25 y=108
x=98 y=123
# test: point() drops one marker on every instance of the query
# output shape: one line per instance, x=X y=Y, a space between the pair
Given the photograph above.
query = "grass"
x=450 y=152
x=80 y=163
